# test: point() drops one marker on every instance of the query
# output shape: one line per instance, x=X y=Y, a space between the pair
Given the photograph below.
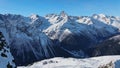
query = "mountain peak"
x=102 y=15
x=98 y=15
x=34 y=16
x=63 y=14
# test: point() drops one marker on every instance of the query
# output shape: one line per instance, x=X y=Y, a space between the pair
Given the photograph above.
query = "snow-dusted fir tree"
x=6 y=59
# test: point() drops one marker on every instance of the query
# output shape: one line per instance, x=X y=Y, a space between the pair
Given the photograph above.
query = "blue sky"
x=72 y=7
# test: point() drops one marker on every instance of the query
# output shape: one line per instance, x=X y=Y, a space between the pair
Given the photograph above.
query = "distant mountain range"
x=36 y=38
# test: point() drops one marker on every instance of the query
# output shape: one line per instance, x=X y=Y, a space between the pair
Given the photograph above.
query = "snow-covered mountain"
x=27 y=42
x=95 y=62
x=6 y=59
x=35 y=37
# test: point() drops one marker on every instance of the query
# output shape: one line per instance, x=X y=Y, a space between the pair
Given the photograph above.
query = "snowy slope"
x=95 y=62
x=6 y=59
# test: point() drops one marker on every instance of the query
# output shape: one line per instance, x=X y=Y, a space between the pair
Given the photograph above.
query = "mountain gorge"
x=36 y=38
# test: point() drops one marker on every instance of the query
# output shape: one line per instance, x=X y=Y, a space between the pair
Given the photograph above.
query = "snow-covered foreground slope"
x=6 y=59
x=95 y=62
